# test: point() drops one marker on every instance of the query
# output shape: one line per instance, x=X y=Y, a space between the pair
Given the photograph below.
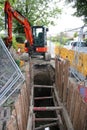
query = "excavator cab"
x=40 y=39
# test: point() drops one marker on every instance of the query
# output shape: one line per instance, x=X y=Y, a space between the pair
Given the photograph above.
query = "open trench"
x=44 y=75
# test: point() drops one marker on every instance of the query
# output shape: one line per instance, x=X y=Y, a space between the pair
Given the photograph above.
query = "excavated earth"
x=44 y=74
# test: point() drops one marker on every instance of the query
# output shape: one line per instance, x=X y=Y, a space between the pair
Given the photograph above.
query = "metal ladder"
x=44 y=112
x=47 y=113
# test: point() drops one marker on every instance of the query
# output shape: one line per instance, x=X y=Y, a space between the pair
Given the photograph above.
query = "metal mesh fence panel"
x=10 y=75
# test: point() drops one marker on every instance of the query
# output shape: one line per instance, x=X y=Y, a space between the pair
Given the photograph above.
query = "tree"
x=81 y=8
x=75 y=34
x=38 y=12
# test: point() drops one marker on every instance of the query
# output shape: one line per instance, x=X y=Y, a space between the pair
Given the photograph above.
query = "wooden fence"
x=20 y=113
x=68 y=92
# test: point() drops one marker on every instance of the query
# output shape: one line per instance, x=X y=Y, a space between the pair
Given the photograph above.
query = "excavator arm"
x=10 y=13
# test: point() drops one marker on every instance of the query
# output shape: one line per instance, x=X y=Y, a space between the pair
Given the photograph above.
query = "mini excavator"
x=36 y=36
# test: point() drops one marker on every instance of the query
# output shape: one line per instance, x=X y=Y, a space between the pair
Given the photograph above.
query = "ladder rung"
x=46 y=119
x=46 y=108
x=43 y=86
x=42 y=98
x=47 y=125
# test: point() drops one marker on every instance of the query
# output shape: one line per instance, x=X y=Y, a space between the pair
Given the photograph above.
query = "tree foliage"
x=38 y=12
x=81 y=8
x=75 y=34
x=61 y=38
x=2 y=15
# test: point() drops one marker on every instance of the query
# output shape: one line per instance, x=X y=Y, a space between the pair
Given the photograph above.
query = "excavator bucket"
x=10 y=75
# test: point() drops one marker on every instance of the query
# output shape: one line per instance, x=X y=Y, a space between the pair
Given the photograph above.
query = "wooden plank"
x=82 y=122
x=28 y=87
x=28 y=83
x=56 y=73
x=60 y=91
x=61 y=79
x=27 y=101
x=18 y=110
x=73 y=105
x=30 y=114
x=77 y=110
x=25 y=105
x=23 y=108
x=66 y=75
x=58 y=78
x=57 y=83
x=69 y=97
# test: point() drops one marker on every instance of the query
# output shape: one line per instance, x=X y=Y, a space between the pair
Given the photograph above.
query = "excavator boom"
x=10 y=13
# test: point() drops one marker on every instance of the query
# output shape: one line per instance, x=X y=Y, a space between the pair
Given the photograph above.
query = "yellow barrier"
x=70 y=56
x=63 y=53
x=21 y=46
x=57 y=50
x=80 y=62
x=77 y=60
x=85 y=64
